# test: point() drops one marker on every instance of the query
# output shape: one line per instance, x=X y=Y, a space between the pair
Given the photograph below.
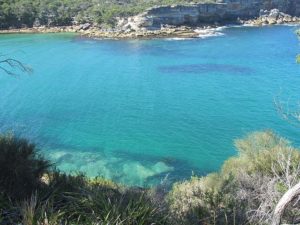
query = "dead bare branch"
x=284 y=110
x=11 y=66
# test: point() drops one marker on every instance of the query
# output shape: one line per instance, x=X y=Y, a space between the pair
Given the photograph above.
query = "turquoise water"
x=137 y=111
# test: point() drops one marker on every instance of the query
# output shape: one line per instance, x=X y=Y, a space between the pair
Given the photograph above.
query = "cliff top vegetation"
x=27 y=13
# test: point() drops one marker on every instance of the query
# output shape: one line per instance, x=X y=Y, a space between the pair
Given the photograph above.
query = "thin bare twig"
x=9 y=66
x=284 y=110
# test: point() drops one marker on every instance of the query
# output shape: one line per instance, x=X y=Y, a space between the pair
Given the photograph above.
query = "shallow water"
x=137 y=111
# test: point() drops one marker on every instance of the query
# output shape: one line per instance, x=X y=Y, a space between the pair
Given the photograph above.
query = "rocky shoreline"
x=94 y=32
x=271 y=17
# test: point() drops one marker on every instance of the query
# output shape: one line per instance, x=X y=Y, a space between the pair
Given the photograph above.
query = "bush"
x=204 y=200
x=21 y=167
x=258 y=152
x=246 y=189
x=20 y=13
x=32 y=194
x=77 y=200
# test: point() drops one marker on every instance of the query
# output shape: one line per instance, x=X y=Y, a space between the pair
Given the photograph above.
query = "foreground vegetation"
x=245 y=191
x=33 y=192
x=26 y=13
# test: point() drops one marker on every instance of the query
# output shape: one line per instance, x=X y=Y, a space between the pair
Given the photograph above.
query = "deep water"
x=137 y=111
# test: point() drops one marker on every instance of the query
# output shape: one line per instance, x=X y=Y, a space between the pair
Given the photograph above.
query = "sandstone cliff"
x=224 y=11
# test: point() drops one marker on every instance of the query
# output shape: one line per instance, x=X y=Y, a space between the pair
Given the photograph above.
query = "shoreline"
x=94 y=32
x=181 y=32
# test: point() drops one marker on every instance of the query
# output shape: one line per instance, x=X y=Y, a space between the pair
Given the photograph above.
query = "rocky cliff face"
x=224 y=11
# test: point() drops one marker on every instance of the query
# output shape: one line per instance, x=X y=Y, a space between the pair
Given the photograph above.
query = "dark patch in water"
x=169 y=160
x=206 y=68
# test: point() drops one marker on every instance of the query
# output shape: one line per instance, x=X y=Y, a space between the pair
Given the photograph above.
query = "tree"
x=294 y=191
x=288 y=197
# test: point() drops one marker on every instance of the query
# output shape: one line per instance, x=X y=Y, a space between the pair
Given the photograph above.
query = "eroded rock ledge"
x=222 y=12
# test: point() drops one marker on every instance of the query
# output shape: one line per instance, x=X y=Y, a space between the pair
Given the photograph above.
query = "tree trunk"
x=283 y=203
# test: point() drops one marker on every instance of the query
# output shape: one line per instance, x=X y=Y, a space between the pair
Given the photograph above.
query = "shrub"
x=41 y=196
x=76 y=199
x=21 y=167
x=204 y=200
x=109 y=205
x=185 y=198
x=258 y=152
x=20 y=13
x=246 y=189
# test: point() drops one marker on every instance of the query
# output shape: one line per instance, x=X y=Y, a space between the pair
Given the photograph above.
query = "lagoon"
x=138 y=111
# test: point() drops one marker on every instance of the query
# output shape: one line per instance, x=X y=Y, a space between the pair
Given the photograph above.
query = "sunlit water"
x=137 y=111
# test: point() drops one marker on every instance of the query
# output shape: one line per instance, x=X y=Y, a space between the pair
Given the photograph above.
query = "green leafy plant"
x=21 y=167
x=246 y=189
x=27 y=13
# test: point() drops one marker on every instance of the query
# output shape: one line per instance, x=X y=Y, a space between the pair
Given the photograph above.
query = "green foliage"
x=21 y=167
x=206 y=199
x=258 y=152
x=33 y=193
x=246 y=188
x=245 y=191
x=77 y=200
x=19 y=13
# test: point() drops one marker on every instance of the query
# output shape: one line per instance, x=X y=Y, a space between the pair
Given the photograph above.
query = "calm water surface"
x=136 y=111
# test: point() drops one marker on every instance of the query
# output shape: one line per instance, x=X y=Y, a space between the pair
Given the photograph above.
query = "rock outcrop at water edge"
x=221 y=12
x=271 y=17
